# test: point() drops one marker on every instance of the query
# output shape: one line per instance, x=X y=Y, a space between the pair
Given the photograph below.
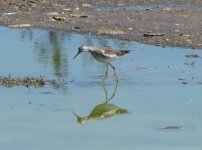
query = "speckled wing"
x=122 y=52
x=109 y=51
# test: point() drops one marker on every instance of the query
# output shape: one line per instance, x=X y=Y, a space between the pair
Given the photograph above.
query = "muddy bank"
x=174 y=23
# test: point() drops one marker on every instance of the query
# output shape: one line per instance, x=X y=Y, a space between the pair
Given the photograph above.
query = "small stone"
x=52 y=13
x=172 y=127
x=185 y=35
x=10 y=13
x=68 y=9
x=20 y=26
x=78 y=15
x=184 y=82
x=86 y=5
x=192 y=56
x=76 y=28
x=59 y=18
x=148 y=34
x=167 y=9
x=110 y=31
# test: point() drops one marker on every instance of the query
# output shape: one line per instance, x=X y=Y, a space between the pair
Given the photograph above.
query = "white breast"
x=104 y=58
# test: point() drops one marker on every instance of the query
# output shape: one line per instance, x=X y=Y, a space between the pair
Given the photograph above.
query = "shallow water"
x=159 y=87
x=149 y=6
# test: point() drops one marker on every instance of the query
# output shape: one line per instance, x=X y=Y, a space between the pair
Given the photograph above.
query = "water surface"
x=159 y=87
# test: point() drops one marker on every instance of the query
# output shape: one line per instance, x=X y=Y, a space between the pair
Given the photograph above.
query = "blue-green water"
x=151 y=89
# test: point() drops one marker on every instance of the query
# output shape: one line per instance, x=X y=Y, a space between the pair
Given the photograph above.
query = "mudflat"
x=176 y=23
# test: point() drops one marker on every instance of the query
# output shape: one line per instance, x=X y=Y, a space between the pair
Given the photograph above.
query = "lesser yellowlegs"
x=104 y=55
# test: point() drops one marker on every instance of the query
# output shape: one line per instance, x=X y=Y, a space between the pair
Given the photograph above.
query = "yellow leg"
x=106 y=73
x=117 y=78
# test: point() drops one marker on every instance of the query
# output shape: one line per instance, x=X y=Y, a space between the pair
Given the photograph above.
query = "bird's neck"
x=90 y=48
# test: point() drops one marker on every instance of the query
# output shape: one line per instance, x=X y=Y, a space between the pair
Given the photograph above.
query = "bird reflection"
x=104 y=110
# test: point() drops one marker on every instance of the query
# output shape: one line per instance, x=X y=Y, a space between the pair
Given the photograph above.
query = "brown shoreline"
x=176 y=23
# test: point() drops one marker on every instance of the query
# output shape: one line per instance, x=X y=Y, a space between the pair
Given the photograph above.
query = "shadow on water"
x=104 y=110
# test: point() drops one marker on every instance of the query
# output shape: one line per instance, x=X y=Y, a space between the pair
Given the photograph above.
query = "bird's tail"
x=123 y=52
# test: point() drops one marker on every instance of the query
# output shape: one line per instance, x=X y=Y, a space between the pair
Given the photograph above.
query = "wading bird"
x=104 y=55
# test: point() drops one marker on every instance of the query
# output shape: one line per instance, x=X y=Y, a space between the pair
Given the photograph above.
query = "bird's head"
x=81 y=49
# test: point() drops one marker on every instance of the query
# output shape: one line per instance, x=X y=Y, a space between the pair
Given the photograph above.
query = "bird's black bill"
x=76 y=55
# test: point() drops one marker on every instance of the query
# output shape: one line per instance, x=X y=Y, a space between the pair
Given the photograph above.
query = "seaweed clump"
x=22 y=81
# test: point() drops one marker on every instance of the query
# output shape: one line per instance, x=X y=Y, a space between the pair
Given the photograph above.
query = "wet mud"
x=176 y=23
